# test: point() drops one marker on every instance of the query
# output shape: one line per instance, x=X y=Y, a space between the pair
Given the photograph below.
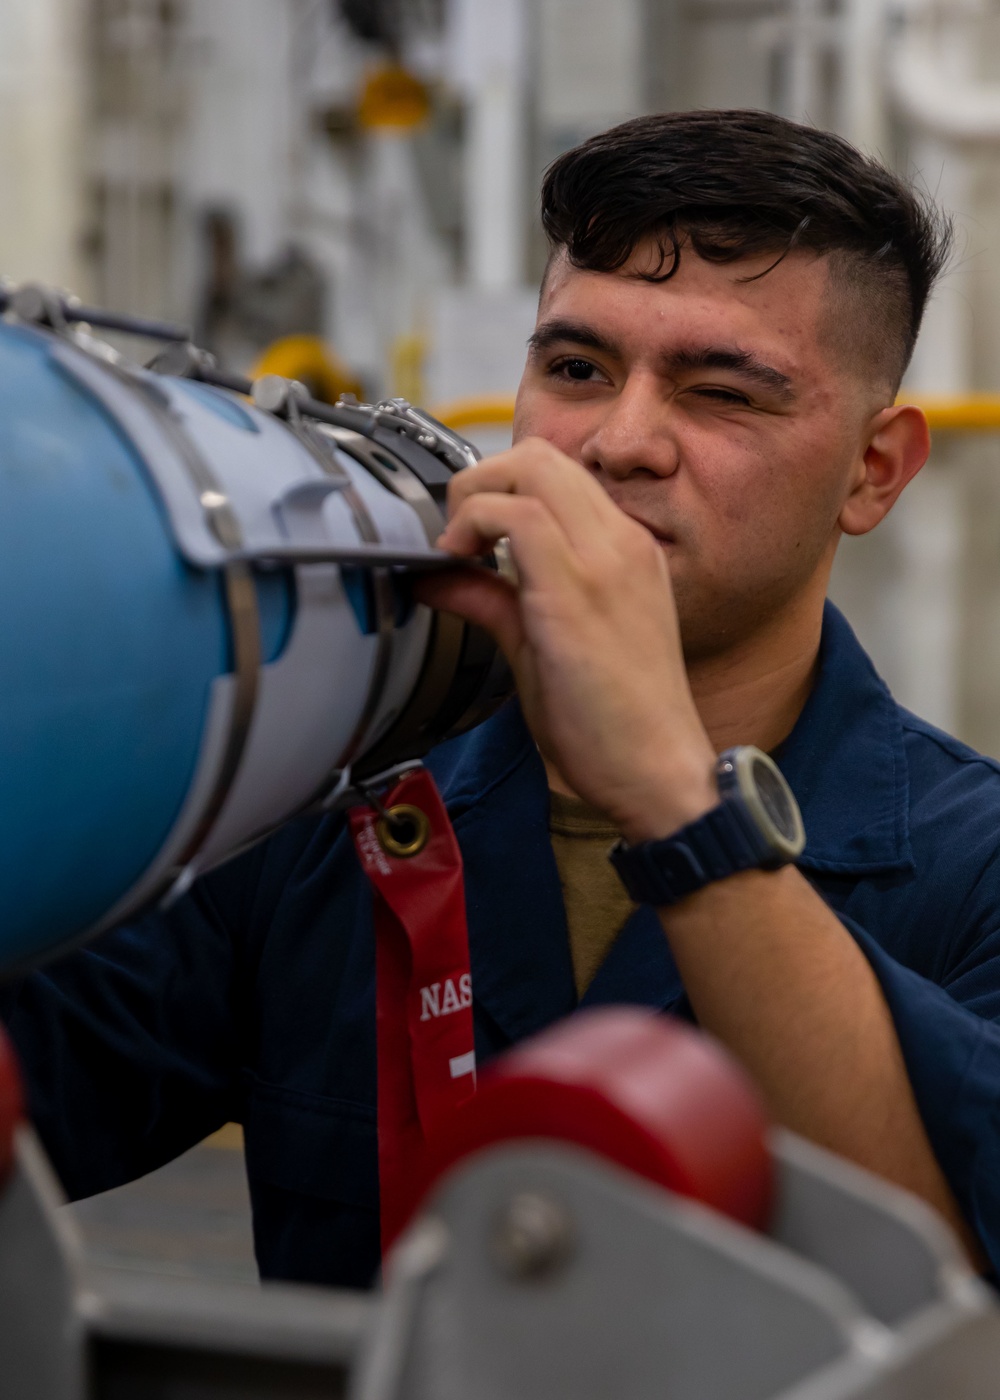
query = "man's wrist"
x=756 y=823
x=663 y=806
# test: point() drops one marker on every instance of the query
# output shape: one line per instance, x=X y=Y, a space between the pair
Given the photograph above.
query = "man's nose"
x=634 y=436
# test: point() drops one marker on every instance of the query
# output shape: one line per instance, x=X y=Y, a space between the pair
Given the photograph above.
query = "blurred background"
x=346 y=191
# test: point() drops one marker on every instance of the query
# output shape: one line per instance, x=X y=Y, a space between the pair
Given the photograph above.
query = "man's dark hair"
x=731 y=184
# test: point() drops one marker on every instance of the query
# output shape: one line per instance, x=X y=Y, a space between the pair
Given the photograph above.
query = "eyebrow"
x=559 y=332
x=742 y=362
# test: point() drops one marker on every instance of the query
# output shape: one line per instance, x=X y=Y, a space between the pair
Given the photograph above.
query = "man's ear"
x=899 y=444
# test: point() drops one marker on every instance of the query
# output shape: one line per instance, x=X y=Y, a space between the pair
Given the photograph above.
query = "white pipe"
x=804 y=60
x=929 y=68
x=42 y=115
x=861 y=116
x=489 y=42
x=942 y=358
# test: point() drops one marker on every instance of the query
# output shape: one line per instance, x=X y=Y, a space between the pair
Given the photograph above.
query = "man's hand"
x=590 y=632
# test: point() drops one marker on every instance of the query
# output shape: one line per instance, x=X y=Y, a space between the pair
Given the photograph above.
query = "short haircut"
x=732 y=184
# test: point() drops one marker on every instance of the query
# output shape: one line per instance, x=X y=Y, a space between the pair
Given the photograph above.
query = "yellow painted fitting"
x=490 y=411
x=406 y=366
x=311 y=361
x=393 y=99
x=973 y=413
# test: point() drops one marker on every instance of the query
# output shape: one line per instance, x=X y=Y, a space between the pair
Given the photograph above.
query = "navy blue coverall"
x=253 y=999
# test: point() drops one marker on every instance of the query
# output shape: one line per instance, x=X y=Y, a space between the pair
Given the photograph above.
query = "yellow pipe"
x=974 y=413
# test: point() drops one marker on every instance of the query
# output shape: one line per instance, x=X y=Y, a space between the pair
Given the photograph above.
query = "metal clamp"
x=401 y=416
x=244 y=619
x=348 y=791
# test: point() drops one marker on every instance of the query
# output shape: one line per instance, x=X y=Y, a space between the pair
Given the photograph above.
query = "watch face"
x=768 y=801
x=775 y=799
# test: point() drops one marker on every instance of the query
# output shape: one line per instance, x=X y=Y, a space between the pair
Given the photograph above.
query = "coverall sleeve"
x=950 y=1038
x=130 y=1046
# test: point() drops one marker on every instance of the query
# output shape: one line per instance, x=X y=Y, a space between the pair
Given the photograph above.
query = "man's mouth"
x=664 y=537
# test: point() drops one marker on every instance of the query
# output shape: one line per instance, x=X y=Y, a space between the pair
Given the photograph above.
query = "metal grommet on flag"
x=424 y=1029
x=403 y=830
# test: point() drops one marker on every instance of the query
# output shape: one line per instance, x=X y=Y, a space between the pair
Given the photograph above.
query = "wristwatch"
x=757 y=825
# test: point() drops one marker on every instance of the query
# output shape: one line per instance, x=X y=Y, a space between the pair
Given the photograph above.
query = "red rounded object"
x=641 y=1090
x=11 y=1104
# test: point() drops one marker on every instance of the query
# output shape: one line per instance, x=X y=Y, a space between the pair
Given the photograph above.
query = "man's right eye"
x=572 y=368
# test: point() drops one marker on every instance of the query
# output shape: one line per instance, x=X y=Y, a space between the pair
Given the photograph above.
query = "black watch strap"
x=721 y=843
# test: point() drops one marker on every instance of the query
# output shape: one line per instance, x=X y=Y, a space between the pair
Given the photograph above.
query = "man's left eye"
x=721 y=395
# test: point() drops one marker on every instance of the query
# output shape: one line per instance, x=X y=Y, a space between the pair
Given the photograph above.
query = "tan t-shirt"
x=595 y=899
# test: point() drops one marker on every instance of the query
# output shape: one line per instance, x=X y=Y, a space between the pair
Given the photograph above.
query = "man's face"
x=714 y=410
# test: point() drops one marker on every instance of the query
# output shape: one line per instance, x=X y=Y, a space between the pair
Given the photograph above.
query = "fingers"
x=537 y=542
x=480 y=597
x=535 y=468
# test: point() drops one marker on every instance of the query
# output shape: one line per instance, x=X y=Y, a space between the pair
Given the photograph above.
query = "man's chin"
x=708 y=624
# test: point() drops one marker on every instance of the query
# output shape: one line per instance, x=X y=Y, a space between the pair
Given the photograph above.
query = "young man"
x=708 y=404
